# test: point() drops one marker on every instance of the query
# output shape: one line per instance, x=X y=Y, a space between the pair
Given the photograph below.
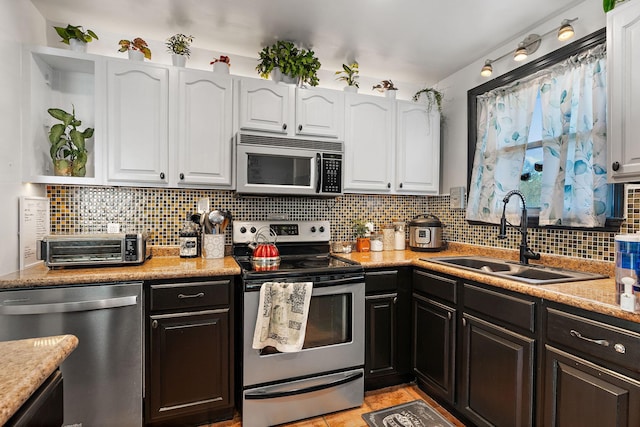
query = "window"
x=533 y=165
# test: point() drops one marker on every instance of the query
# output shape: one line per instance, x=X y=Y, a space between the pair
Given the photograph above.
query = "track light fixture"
x=530 y=44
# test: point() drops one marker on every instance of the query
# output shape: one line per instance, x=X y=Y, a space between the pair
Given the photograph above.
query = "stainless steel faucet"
x=525 y=252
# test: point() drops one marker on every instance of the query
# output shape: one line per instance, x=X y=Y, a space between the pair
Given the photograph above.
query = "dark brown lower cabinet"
x=45 y=406
x=381 y=334
x=581 y=393
x=497 y=375
x=189 y=364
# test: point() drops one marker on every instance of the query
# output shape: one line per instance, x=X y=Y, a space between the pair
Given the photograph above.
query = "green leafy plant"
x=75 y=32
x=68 y=147
x=179 y=44
x=608 y=5
x=384 y=86
x=360 y=228
x=136 y=44
x=432 y=96
x=298 y=63
x=349 y=74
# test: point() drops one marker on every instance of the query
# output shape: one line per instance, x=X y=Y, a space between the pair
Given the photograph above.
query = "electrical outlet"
x=113 y=227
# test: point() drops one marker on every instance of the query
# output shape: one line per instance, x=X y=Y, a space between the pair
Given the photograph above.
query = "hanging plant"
x=432 y=96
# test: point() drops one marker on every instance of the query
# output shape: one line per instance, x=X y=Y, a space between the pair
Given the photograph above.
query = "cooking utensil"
x=215 y=218
x=227 y=220
x=425 y=233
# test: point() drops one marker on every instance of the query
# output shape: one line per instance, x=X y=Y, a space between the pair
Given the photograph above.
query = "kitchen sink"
x=531 y=274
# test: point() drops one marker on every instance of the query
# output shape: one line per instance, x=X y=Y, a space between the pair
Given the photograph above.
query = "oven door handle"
x=263 y=394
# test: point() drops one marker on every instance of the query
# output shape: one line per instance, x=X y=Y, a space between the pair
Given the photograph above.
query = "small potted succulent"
x=431 y=96
x=349 y=74
x=283 y=61
x=76 y=37
x=68 y=148
x=361 y=232
x=221 y=65
x=387 y=87
x=137 y=49
x=180 y=46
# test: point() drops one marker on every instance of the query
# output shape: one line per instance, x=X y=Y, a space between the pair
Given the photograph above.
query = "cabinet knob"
x=400 y=185
x=388 y=185
x=161 y=175
x=154 y=324
x=181 y=176
x=615 y=166
x=299 y=128
x=284 y=126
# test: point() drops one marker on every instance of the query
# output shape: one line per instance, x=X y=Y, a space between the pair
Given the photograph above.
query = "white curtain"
x=504 y=117
x=574 y=180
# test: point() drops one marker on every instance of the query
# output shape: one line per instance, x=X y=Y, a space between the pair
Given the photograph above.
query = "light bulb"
x=487 y=69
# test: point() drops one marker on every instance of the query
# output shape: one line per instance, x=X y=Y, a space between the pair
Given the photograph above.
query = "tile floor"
x=373 y=401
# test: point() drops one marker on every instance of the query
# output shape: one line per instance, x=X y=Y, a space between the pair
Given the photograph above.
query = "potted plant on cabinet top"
x=432 y=97
x=137 y=49
x=349 y=74
x=387 y=87
x=68 y=148
x=283 y=60
x=179 y=46
x=76 y=37
x=221 y=65
x=360 y=231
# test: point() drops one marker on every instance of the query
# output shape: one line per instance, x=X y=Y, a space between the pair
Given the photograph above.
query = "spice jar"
x=189 y=241
x=388 y=241
x=376 y=242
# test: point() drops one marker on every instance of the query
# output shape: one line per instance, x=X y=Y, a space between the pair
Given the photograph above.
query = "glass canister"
x=399 y=235
x=377 y=242
x=190 y=246
x=388 y=238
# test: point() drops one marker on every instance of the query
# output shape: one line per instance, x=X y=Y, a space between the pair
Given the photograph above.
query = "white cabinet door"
x=417 y=149
x=623 y=88
x=369 y=143
x=205 y=133
x=137 y=122
x=319 y=112
x=264 y=106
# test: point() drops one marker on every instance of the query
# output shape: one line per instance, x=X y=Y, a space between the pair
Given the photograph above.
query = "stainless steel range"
x=327 y=375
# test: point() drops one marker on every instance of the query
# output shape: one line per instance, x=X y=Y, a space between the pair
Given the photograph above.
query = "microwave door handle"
x=318 y=172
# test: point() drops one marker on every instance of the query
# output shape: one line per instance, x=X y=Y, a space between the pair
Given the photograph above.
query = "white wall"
x=454 y=133
x=19 y=22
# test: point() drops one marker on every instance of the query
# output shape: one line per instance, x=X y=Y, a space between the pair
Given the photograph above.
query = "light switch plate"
x=458 y=197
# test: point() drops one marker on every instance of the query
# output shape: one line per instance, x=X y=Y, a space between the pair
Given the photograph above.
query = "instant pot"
x=425 y=234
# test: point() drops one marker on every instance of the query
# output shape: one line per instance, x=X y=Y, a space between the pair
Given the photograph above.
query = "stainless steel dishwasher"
x=103 y=376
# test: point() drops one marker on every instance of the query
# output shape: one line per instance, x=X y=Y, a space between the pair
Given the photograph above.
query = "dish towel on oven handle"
x=282 y=316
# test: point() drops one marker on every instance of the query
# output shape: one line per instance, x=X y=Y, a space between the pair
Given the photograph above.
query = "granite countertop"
x=25 y=365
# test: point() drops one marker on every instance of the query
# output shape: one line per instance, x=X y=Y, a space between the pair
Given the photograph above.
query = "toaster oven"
x=90 y=250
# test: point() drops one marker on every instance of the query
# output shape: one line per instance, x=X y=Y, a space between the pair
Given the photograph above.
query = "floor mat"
x=413 y=414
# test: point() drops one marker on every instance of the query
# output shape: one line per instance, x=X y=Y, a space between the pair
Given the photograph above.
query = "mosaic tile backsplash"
x=162 y=213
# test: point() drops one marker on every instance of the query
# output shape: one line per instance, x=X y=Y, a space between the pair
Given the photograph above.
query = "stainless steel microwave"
x=288 y=166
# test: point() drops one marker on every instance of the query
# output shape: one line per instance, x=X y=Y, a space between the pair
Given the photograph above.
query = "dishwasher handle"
x=68 y=307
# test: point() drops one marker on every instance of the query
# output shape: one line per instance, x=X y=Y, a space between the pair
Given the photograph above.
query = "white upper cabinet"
x=264 y=106
x=369 y=144
x=417 y=149
x=288 y=110
x=138 y=122
x=204 y=127
x=319 y=112
x=59 y=78
x=623 y=88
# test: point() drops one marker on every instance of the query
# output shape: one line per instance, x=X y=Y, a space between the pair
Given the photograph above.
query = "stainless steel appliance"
x=288 y=166
x=327 y=375
x=103 y=376
x=81 y=250
x=425 y=234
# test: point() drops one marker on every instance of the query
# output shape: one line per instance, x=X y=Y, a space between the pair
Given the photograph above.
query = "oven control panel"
x=285 y=231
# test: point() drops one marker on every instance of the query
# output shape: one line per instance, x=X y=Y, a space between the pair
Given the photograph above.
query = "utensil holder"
x=213 y=245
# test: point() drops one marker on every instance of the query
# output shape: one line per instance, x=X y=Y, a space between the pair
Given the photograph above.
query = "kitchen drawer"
x=381 y=281
x=435 y=286
x=511 y=310
x=602 y=341
x=179 y=296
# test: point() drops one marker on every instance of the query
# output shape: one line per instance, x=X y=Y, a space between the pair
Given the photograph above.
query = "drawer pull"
x=620 y=348
x=577 y=334
x=198 y=295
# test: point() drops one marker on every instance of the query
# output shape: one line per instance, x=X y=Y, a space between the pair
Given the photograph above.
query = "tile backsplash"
x=162 y=212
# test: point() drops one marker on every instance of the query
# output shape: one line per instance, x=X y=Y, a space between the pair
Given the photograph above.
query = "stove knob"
x=313 y=229
x=322 y=229
x=243 y=229
x=253 y=230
